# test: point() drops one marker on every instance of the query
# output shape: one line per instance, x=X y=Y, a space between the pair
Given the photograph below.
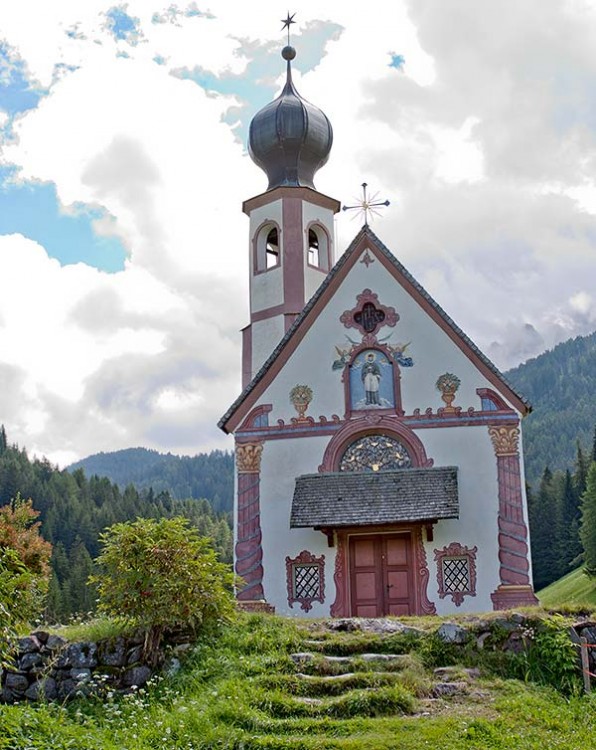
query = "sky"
x=123 y=167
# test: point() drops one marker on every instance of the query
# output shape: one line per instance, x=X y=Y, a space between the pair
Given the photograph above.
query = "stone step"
x=307 y=657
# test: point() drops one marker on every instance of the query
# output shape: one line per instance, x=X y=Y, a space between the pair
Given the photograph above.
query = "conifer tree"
x=3 y=441
x=588 y=523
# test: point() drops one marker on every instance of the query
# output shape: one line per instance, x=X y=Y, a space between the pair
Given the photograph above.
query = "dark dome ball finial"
x=290 y=138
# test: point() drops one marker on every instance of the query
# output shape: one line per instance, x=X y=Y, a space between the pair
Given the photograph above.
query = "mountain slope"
x=206 y=476
x=561 y=386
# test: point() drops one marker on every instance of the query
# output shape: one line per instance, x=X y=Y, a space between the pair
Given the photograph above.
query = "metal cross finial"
x=287 y=22
x=366 y=205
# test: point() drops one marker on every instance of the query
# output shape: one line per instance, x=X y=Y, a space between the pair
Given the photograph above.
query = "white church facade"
x=378 y=452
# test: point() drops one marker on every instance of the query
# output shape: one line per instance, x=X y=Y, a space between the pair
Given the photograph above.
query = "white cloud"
x=484 y=142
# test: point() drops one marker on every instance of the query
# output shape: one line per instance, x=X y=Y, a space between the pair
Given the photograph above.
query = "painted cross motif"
x=366 y=205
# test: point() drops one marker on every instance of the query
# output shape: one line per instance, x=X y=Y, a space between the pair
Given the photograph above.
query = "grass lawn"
x=573 y=589
x=244 y=691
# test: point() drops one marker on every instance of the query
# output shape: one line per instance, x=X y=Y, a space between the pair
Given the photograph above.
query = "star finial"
x=366 y=204
x=287 y=22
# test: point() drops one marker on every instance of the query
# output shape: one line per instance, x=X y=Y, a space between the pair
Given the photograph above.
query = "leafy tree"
x=160 y=575
x=24 y=570
x=588 y=524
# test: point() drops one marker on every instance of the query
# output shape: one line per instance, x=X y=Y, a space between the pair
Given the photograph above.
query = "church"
x=379 y=464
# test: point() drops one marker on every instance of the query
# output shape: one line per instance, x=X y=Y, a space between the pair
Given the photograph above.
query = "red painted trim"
x=320 y=305
x=306 y=194
x=293 y=252
x=246 y=355
x=248 y=552
x=373 y=425
x=341 y=607
x=494 y=397
x=256 y=412
x=452 y=334
x=267 y=312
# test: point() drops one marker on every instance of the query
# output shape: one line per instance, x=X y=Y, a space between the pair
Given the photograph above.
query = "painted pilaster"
x=515 y=588
x=248 y=550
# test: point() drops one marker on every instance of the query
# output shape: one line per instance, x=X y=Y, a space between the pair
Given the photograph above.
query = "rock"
x=80 y=675
x=42 y=689
x=55 y=642
x=344 y=625
x=30 y=660
x=41 y=635
x=303 y=657
x=518 y=618
x=28 y=644
x=7 y=696
x=16 y=683
x=481 y=640
x=443 y=689
x=134 y=655
x=449 y=632
x=182 y=648
x=66 y=689
x=78 y=655
x=172 y=666
x=514 y=643
x=447 y=672
x=113 y=653
x=136 y=676
x=385 y=657
x=505 y=624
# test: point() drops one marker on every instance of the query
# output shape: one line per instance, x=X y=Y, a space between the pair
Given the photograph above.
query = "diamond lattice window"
x=305 y=577
x=456 y=572
x=375 y=453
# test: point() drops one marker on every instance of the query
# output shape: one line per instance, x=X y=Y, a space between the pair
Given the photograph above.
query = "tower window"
x=272 y=248
x=267 y=248
x=318 y=248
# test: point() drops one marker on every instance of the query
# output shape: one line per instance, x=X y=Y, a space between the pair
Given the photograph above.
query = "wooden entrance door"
x=381 y=579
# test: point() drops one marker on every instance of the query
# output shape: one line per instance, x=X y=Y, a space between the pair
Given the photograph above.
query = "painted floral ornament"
x=448 y=383
x=300 y=397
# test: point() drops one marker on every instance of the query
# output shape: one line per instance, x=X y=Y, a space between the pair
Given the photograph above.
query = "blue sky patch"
x=17 y=94
x=122 y=26
x=256 y=86
x=34 y=211
x=397 y=61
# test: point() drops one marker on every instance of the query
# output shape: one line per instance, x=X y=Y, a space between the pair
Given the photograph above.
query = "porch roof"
x=372 y=498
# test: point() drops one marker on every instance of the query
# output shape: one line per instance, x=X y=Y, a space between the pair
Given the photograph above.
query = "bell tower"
x=291 y=248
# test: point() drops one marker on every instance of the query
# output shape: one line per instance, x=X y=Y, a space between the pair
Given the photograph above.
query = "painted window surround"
x=305 y=579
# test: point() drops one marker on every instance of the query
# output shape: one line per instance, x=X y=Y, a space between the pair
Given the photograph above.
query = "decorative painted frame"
x=305 y=559
x=353 y=318
x=456 y=551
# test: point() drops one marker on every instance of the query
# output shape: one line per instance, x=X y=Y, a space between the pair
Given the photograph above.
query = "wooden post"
x=585 y=663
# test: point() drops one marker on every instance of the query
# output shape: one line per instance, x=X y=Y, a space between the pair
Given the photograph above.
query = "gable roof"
x=365 y=238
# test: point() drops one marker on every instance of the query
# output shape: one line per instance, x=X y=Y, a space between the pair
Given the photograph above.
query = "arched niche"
x=359 y=428
x=318 y=247
x=267 y=247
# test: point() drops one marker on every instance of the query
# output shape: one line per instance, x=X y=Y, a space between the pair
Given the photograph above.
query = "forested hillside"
x=208 y=475
x=561 y=385
x=74 y=510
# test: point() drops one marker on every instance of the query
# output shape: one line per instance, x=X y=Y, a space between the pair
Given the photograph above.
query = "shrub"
x=160 y=575
x=24 y=570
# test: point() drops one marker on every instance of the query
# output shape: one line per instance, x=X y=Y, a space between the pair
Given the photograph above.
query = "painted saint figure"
x=371 y=377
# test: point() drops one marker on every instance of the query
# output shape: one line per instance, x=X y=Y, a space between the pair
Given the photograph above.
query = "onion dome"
x=290 y=139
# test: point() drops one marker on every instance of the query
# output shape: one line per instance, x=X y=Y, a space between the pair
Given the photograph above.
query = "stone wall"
x=47 y=666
